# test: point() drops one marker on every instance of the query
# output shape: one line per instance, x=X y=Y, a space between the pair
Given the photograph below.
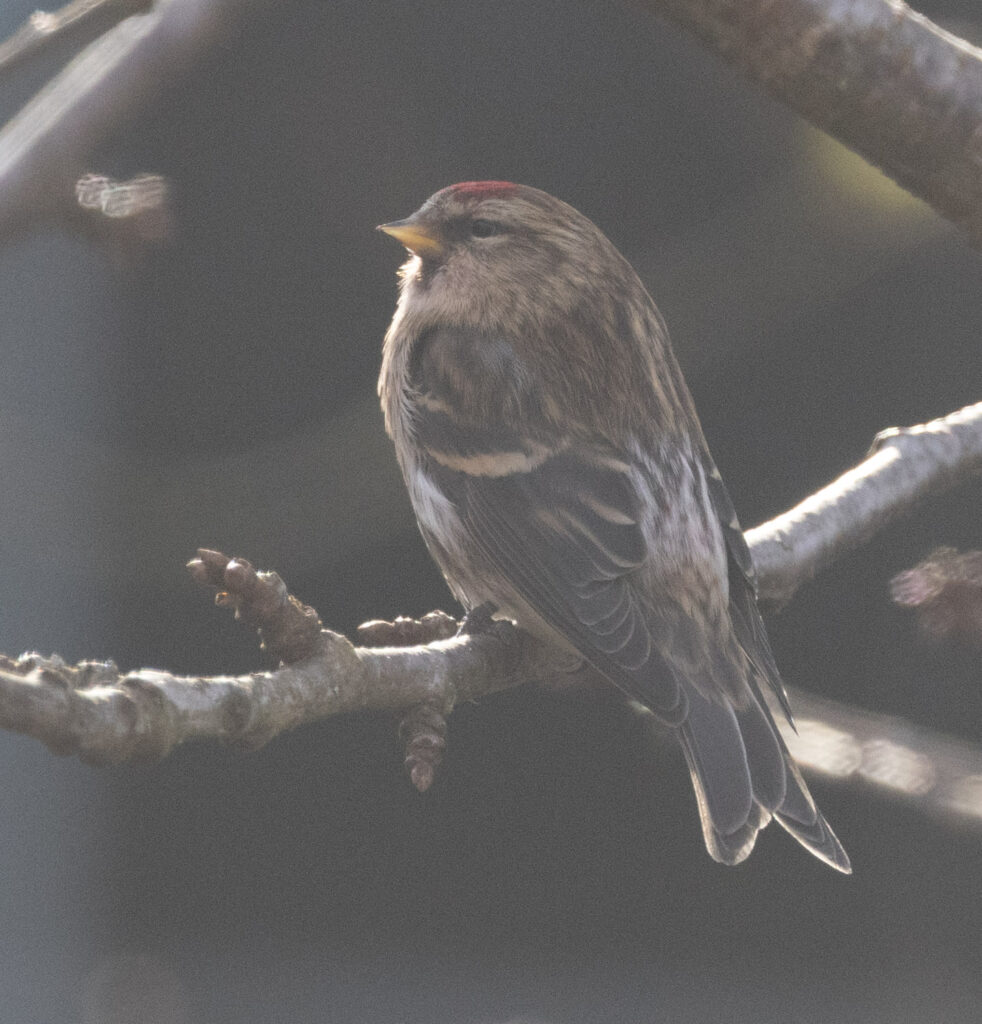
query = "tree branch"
x=103 y=716
x=876 y=75
x=904 y=466
x=107 y=717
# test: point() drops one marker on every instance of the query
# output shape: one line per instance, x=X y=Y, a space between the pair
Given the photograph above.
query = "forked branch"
x=106 y=717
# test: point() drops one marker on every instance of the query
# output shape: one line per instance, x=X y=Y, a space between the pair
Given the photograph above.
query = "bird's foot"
x=479 y=619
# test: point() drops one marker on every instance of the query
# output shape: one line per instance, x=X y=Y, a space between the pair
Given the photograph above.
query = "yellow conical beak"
x=414 y=237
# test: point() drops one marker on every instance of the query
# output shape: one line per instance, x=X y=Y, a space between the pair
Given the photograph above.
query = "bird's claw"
x=479 y=619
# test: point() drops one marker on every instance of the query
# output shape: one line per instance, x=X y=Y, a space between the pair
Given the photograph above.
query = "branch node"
x=290 y=630
x=237 y=719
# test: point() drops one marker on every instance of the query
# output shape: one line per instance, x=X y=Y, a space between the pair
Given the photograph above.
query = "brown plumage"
x=558 y=470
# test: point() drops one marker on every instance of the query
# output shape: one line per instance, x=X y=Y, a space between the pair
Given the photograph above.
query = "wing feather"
x=575 y=567
x=744 y=613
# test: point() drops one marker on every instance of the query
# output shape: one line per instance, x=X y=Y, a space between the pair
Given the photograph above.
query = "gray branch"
x=904 y=466
x=104 y=716
x=107 y=717
x=881 y=78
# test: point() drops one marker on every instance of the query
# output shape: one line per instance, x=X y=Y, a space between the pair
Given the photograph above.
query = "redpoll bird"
x=559 y=472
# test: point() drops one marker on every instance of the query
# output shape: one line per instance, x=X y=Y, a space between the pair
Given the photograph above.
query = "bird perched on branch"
x=559 y=472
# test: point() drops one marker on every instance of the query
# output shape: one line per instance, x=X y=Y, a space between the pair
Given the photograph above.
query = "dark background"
x=220 y=391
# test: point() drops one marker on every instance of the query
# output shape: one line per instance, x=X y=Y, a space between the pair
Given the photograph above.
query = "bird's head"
x=501 y=255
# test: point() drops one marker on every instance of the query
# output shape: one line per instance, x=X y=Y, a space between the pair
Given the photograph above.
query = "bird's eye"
x=481 y=228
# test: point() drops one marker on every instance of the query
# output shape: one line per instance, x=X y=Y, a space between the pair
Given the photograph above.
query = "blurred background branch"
x=933 y=773
x=79 y=20
x=45 y=147
x=884 y=80
x=945 y=593
x=878 y=76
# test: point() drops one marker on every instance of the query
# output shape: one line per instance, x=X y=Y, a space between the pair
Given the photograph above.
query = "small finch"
x=559 y=472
